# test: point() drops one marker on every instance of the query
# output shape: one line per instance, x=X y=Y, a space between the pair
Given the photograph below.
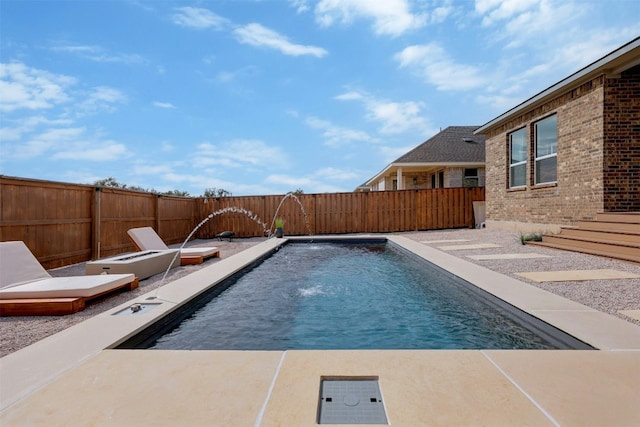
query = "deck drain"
x=351 y=401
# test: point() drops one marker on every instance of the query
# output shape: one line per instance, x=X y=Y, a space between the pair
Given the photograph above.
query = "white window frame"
x=520 y=163
x=546 y=156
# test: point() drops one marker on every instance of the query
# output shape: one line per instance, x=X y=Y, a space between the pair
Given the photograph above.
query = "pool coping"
x=27 y=370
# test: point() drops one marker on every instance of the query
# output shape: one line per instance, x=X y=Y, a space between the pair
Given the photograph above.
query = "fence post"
x=157 y=213
x=97 y=222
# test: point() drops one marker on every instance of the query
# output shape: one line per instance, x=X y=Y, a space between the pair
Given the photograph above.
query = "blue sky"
x=266 y=97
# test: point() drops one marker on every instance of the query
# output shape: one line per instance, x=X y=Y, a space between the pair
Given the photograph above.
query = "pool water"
x=346 y=296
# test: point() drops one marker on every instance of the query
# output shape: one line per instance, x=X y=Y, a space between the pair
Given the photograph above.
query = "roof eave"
x=393 y=166
x=612 y=64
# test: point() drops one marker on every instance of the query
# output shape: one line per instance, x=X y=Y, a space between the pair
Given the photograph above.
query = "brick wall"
x=578 y=193
x=622 y=142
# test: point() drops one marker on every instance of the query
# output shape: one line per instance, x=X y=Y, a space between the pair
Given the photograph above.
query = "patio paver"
x=473 y=246
x=576 y=275
x=507 y=256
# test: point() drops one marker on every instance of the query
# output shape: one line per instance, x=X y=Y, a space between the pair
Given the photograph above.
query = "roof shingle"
x=453 y=144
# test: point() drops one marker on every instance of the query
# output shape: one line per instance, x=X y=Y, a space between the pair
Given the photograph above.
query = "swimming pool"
x=335 y=295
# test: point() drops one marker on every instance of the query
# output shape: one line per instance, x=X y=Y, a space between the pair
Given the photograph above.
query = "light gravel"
x=609 y=296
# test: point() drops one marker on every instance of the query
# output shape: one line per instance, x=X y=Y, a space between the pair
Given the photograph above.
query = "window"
x=470 y=178
x=434 y=183
x=395 y=184
x=546 y=148
x=441 y=179
x=518 y=158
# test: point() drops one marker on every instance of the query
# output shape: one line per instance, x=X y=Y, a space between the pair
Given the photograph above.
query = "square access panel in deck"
x=351 y=401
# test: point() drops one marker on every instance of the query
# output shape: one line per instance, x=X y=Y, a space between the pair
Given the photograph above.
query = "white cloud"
x=393 y=117
x=98 y=54
x=94 y=151
x=336 y=174
x=497 y=10
x=166 y=105
x=23 y=87
x=257 y=35
x=240 y=153
x=71 y=143
x=350 y=96
x=26 y=125
x=198 y=18
x=390 y=17
x=336 y=136
x=300 y=5
x=433 y=64
x=389 y=154
x=309 y=183
x=101 y=98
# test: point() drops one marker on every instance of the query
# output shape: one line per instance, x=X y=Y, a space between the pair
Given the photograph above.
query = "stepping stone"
x=634 y=314
x=577 y=275
x=444 y=241
x=507 y=256
x=474 y=246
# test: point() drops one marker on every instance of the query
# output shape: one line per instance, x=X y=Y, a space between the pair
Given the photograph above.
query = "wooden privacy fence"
x=65 y=224
x=338 y=213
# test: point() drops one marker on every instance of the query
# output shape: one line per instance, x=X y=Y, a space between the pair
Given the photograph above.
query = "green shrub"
x=532 y=237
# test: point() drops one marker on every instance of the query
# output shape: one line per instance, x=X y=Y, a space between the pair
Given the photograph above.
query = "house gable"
x=598 y=147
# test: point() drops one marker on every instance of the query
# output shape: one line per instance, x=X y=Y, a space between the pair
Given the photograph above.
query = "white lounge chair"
x=146 y=239
x=27 y=289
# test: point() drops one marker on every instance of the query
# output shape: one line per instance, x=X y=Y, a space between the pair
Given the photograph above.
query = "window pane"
x=546 y=170
x=471 y=173
x=546 y=136
x=470 y=182
x=518 y=175
x=518 y=142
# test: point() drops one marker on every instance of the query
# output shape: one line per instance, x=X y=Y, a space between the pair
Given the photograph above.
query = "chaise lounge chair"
x=27 y=289
x=146 y=239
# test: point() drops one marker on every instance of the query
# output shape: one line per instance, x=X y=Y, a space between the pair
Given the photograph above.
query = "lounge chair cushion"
x=146 y=239
x=203 y=252
x=64 y=287
x=18 y=265
x=22 y=276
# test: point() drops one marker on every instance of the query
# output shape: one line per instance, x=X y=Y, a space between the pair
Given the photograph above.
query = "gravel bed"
x=20 y=331
x=608 y=296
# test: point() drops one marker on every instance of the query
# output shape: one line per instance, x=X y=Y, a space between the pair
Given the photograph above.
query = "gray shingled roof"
x=450 y=145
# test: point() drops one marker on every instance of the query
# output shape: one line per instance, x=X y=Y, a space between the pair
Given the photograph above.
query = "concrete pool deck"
x=72 y=378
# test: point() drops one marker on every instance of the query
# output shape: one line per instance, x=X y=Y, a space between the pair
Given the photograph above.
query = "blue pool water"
x=345 y=296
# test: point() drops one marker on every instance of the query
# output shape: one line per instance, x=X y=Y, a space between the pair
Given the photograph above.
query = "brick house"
x=454 y=157
x=570 y=151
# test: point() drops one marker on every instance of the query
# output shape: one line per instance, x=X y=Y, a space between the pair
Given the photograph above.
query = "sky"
x=266 y=97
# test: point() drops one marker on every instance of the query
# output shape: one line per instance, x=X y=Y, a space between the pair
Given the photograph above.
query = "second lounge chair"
x=146 y=239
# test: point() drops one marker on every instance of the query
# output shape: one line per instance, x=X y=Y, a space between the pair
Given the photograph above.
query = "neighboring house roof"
x=612 y=64
x=453 y=146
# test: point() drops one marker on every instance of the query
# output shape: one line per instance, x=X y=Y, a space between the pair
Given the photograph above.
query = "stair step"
x=603 y=253
x=602 y=236
x=624 y=217
x=604 y=246
x=625 y=227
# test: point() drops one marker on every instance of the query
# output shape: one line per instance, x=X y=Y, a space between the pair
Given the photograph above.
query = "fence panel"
x=53 y=220
x=175 y=218
x=119 y=211
x=64 y=224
